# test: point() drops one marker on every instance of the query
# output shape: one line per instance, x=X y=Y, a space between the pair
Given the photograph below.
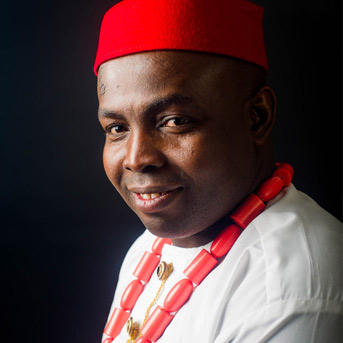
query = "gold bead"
x=162 y=270
x=129 y=326
x=132 y=329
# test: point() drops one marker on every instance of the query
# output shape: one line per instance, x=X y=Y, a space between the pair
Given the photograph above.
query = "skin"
x=196 y=123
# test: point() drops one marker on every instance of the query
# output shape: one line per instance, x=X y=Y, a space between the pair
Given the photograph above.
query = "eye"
x=115 y=129
x=175 y=121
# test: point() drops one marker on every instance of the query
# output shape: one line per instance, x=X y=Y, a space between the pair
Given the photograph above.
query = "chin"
x=165 y=228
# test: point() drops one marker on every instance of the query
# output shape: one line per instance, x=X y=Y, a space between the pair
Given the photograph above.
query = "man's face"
x=178 y=145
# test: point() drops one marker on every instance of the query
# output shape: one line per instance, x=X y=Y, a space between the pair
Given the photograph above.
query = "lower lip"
x=156 y=204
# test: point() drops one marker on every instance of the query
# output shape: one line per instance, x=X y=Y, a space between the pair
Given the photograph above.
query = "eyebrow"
x=154 y=107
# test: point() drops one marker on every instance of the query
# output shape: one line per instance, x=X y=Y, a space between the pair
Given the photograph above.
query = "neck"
x=205 y=236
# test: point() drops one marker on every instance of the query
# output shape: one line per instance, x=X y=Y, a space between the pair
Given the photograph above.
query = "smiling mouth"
x=153 y=192
x=152 y=201
x=150 y=196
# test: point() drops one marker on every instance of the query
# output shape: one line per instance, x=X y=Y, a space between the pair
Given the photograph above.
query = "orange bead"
x=270 y=188
x=142 y=339
x=200 y=267
x=284 y=174
x=247 y=211
x=108 y=340
x=286 y=166
x=156 y=324
x=158 y=245
x=178 y=295
x=146 y=266
x=131 y=294
x=225 y=240
x=115 y=324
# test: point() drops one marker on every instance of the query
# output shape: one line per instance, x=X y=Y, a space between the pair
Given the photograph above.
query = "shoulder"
x=302 y=248
x=282 y=276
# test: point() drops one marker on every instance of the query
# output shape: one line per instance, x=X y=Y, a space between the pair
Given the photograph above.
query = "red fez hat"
x=226 y=27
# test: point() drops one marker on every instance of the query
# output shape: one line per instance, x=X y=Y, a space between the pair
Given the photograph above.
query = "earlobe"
x=262 y=115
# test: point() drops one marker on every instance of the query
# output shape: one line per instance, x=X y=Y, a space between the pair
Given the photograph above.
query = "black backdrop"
x=64 y=230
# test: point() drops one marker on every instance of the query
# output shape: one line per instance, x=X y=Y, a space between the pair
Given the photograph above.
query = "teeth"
x=148 y=196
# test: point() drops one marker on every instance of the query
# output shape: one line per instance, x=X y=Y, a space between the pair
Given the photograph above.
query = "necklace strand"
x=170 y=269
x=199 y=268
x=133 y=328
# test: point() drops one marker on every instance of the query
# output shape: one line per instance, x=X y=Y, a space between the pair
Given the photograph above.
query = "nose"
x=143 y=153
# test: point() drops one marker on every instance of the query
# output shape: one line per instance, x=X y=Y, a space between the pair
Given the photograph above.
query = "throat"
x=205 y=236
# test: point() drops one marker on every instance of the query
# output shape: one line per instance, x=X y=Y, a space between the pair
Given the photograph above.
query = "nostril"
x=149 y=169
x=145 y=169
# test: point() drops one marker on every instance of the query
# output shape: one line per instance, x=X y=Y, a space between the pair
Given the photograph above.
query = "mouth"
x=153 y=200
x=150 y=196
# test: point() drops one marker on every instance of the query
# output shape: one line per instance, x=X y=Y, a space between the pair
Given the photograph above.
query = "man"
x=188 y=118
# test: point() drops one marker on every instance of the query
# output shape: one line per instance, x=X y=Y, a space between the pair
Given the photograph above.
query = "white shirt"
x=280 y=283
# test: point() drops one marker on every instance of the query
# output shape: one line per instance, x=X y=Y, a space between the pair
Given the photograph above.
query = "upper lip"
x=152 y=189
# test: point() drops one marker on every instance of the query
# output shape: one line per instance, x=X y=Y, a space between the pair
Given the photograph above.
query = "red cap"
x=226 y=27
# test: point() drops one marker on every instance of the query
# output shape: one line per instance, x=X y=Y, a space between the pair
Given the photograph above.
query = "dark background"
x=64 y=230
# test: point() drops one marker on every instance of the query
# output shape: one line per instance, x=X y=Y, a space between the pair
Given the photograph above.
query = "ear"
x=262 y=114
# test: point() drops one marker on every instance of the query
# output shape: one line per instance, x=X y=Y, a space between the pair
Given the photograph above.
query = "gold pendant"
x=164 y=270
x=132 y=329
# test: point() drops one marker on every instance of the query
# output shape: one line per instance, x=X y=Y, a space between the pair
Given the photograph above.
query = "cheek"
x=112 y=165
x=189 y=153
x=219 y=158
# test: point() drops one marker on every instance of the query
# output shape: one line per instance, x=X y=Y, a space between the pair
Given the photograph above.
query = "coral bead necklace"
x=196 y=271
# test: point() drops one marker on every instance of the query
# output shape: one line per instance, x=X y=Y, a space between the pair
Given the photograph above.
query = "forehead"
x=165 y=61
x=161 y=68
x=134 y=81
